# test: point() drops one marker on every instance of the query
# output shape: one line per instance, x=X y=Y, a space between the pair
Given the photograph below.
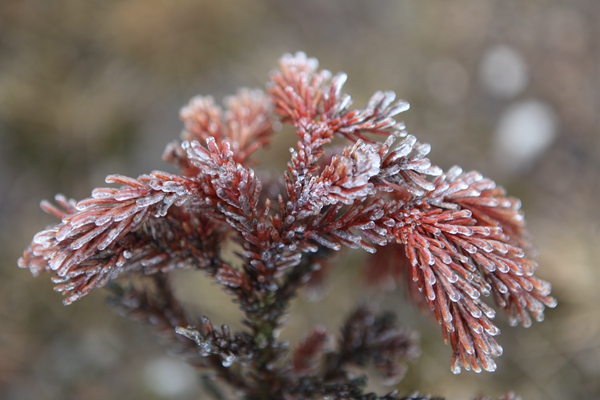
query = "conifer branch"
x=451 y=238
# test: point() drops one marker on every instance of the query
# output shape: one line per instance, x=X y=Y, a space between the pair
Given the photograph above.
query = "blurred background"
x=88 y=88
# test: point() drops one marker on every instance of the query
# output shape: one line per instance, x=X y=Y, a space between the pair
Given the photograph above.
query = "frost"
x=149 y=200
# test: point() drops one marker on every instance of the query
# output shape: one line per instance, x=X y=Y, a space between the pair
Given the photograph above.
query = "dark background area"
x=89 y=88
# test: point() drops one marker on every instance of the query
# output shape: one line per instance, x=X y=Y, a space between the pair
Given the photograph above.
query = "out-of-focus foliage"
x=508 y=88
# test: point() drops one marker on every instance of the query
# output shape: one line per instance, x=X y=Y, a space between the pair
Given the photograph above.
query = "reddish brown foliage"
x=455 y=237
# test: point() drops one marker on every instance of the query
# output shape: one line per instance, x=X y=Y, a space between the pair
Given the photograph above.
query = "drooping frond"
x=458 y=253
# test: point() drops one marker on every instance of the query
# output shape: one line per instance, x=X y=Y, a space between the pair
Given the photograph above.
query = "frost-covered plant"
x=454 y=237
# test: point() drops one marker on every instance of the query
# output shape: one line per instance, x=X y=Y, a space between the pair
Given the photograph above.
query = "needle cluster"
x=455 y=238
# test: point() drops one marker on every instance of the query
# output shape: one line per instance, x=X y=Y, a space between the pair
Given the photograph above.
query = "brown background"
x=89 y=88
